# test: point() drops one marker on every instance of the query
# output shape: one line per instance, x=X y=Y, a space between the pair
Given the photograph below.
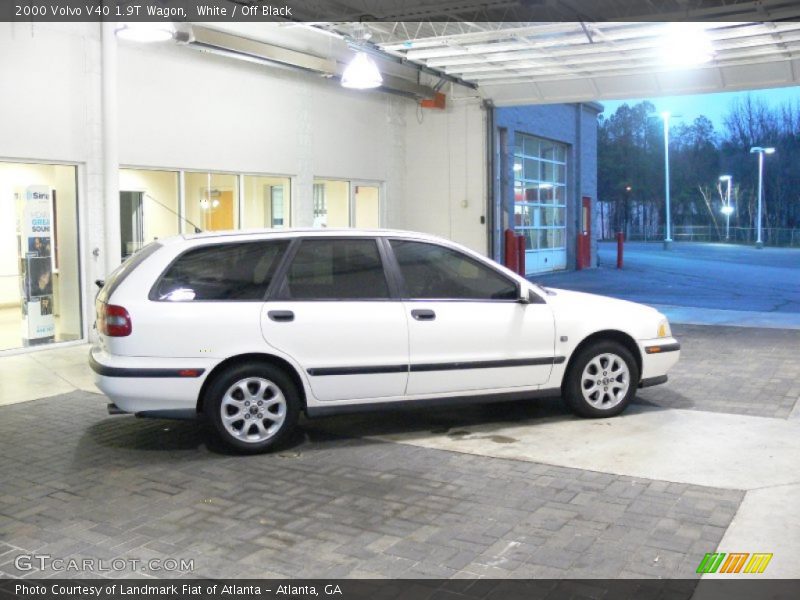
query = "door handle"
x=423 y=314
x=281 y=316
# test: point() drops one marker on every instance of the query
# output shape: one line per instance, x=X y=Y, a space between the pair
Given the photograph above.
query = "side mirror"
x=523 y=295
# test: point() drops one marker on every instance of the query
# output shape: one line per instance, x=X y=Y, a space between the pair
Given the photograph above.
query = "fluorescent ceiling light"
x=362 y=73
x=145 y=32
x=686 y=45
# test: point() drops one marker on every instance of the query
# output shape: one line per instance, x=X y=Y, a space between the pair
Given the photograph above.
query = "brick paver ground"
x=75 y=482
x=748 y=371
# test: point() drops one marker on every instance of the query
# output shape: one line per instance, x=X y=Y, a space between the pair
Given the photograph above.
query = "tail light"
x=113 y=321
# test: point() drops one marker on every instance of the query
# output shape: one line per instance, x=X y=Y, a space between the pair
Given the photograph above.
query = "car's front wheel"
x=253 y=407
x=601 y=381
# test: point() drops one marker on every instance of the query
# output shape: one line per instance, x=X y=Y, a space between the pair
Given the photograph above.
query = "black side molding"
x=662 y=348
x=651 y=381
x=106 y=371
x=488 y=364
x=451 y=366
x=358 y=370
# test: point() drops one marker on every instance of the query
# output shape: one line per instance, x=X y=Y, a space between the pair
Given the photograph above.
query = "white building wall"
x=446 y=172
x=182 y=109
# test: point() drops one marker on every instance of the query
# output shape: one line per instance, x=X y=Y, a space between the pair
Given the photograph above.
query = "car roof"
x=306 y=232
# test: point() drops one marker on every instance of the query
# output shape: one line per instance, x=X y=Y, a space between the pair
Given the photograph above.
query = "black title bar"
x=402 y=589
x=244 y=11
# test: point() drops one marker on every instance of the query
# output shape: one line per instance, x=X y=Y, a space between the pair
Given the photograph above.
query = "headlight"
x=663 y=329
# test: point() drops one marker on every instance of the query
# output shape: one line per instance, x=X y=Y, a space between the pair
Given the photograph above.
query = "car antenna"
x=196 y=228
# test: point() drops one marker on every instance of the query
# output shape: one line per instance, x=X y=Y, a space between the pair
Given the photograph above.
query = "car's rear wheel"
x=253 y=407
x=602 y=380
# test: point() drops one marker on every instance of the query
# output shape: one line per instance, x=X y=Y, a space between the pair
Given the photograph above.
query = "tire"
x=601 y=381
x=237 y=391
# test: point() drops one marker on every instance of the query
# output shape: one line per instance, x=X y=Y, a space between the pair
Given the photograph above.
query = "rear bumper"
x=149 y=385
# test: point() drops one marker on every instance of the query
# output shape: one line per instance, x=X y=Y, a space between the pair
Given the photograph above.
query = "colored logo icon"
x=734 y=562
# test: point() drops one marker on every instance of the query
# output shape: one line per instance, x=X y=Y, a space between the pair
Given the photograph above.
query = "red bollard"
x=620 y=240
x=521 y=255
x=512 y=254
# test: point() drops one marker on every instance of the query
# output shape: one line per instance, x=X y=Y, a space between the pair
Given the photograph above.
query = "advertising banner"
x=38 y=324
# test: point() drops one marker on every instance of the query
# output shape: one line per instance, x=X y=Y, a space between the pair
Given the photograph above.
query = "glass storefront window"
x=149 y=207
x=267 y=202
x=40 y=299
x=347 y=204
x=331 y=203
x=212 y=201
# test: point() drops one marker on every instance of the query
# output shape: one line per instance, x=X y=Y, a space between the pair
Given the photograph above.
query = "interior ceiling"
x=580 y=51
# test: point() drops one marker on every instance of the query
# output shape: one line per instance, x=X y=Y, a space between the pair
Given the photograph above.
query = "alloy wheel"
x=253 y=409
x=605 y=381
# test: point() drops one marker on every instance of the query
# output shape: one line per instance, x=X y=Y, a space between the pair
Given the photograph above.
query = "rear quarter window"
x=221 y=272
x=119 y=274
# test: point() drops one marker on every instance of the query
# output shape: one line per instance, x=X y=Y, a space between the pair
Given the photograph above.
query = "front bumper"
x=149 y=385
x=658 y=357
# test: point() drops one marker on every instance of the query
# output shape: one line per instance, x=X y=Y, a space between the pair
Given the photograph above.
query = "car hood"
x=600 y=305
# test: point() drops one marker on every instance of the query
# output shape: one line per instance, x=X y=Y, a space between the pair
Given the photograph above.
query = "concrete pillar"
x=110 y=147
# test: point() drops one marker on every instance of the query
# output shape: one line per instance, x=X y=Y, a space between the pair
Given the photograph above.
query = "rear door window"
x=336 y=269
x=221 y=272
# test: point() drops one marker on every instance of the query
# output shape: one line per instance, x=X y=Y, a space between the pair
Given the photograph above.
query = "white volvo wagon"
x=249 y=329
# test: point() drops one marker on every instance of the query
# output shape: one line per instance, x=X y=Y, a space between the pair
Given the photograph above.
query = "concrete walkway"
x=733 y=318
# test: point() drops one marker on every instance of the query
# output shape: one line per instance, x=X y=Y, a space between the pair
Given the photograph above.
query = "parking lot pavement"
x=106 y=487
x=746 y=371
x=713 y=277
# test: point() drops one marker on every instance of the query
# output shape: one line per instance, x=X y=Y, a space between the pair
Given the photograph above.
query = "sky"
x=713 y=106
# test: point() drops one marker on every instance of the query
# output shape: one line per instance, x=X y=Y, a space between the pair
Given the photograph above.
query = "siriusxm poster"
x=38 y=324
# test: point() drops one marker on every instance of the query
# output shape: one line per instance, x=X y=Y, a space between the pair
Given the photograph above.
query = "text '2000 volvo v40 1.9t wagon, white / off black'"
x=249 y=329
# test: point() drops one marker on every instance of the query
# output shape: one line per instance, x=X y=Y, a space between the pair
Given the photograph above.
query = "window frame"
x=152 y=295
x=403 y=289
x=280 y=291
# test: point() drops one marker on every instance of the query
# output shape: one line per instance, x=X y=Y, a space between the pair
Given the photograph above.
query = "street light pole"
x=761 y=152
x=759 y=243
x=668 y=237
x=727 y=209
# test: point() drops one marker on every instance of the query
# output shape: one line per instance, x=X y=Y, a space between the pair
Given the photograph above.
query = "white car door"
x=334 y=314
x=467 y=330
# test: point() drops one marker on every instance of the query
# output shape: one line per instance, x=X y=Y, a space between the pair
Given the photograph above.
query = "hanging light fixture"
x=362 y=73
x=145 y=32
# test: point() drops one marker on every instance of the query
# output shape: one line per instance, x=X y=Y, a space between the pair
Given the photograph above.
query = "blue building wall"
x=572 y=124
